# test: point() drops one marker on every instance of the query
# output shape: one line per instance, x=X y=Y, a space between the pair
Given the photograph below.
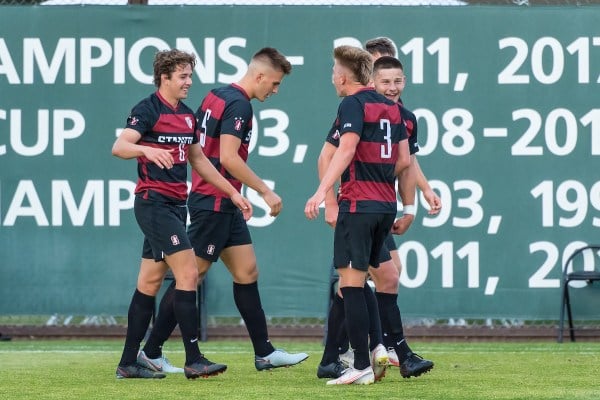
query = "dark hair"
x=386 y=62
x=357 y=60
x=381 y=45
x=167 y=61
x=274 y=58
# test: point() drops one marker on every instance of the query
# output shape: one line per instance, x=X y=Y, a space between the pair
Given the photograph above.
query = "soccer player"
x=367 y=160
x=217 y=228
x=389 y=80
x=160 y=133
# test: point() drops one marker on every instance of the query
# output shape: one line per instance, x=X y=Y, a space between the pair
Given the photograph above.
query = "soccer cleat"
x=379 y=361
x=415 y=365
x=160 y=364
x=137 y=371
x=203 y=368
x=331 y=370
x=352 y=376
x=393 y=357
x=278 y=358
x=347 y=358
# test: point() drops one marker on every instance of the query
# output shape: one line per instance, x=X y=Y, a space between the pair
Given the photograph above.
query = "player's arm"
x=339 y=162
x=202 y=165
x=404 y=158
x=126 y=146
x=235 y=165
x=434 y=201
x=407 y=186
x=435 y=204
x=331 y=205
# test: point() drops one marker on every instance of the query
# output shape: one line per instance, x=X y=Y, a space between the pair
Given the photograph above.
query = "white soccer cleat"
x=379 y=361
x=393 y=357
x=352 y=376
x=278 y=358
x=347 y=358
x=160 y=364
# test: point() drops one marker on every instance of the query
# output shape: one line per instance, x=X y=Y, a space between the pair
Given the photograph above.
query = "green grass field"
x=85 y=369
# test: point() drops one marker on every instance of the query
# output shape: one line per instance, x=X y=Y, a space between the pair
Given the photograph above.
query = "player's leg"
x=151 y=355
x=386 y=282
x=139 y=314
x=330 y=365
x=356 y=315
x=411 y=364
x=352 y=252
x=240 y=260
x=378 y=353
x=153 y=218
x=378 y=259
x=183 y=265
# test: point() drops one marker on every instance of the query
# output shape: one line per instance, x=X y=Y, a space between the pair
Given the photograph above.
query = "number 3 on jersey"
x=386 y=149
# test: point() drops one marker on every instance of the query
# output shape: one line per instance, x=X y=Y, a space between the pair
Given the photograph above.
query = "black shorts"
x=210 y=232
x=359 y=238
x=388 y=245
x=163 y=226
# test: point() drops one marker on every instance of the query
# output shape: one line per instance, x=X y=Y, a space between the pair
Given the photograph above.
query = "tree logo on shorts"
x=210 y=249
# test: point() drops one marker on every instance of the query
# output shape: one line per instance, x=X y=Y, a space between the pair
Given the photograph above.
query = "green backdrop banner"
x=509 y=127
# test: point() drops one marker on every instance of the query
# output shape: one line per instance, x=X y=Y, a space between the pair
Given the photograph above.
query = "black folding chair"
x=589 y=275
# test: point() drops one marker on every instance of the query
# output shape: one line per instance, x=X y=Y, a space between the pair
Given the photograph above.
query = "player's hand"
x=161 y=157
x=434 y=201
x=274 y=202
x=243 y=204
x=311 y=210
x=331 y=213
x=402 y=224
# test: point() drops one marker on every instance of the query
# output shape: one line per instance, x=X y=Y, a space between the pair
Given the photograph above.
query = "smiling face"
x=390 y=82
x=175 y=87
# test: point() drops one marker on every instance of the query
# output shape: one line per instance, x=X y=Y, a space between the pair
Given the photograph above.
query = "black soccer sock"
x=247 y=300
x=335 y=323
x=138 y=320
x=382 y=304
x=375 y=335
x=186 y=313
x=357 y=324
x=164 y=325
x=390 y=313
x=342 y=340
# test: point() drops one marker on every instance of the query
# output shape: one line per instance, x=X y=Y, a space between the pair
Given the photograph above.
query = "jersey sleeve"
x=236 y=119
x=410 y=121
x=402 y=131
x=141 y=118
x=333 y=136
x=351 y=116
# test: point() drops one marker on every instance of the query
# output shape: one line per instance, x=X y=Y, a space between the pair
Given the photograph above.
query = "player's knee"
x=246 y=276
x=149 y=287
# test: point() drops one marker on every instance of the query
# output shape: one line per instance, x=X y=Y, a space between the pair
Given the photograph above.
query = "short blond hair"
x=357 y=60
